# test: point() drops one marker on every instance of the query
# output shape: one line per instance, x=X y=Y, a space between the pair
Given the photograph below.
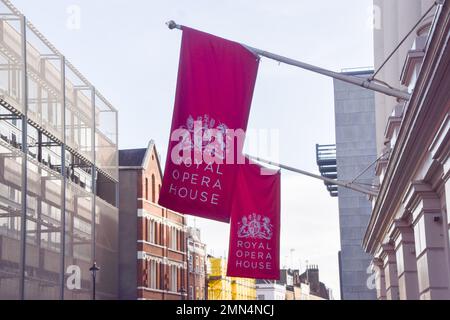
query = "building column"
x=431 y=255
x=390 y=271
x=406 y=261
x=380 y=283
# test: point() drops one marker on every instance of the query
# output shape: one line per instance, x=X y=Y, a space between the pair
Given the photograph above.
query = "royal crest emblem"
x=209 y=132
x=256 y=227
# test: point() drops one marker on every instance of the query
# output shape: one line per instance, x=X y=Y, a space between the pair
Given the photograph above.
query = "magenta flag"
x=254 y=250
x=216 y=80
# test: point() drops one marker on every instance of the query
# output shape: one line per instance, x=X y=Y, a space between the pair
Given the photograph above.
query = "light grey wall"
x=128 y=234
x=355 y=151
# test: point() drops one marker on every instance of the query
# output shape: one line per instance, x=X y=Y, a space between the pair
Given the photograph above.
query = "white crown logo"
x=253 y=227
x=203 y=134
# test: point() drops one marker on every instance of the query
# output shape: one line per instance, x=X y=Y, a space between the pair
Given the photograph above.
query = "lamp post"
x=183 y=293
x=94 y=270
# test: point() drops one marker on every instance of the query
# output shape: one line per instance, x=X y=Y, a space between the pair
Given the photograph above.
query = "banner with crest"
x=254 y=248
x=216 y=80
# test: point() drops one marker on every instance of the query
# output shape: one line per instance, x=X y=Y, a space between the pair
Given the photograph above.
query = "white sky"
x=124 y=48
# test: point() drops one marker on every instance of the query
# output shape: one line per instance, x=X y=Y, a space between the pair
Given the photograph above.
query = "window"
x=191 y=292
x=196 y=264
x=152 y=283
x=173 y=238
x=153 y=189
x=261 y=297
x=190 y=263
x=146 y=189
x=173 y=278
x=151 y=231
x=202 y=266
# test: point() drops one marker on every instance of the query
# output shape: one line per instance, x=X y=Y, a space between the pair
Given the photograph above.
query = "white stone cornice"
x=145 y=214
x=142 y=255
x=142 y=213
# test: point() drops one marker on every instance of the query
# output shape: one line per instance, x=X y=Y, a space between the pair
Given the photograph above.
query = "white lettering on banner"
x=186 y=183
x=253 y=252
x=253 y=265
x=254 y=255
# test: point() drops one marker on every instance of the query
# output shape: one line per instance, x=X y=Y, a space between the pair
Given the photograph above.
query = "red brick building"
x=196 y=282
x=153 y=262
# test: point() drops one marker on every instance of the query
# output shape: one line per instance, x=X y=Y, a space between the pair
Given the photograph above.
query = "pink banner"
x=255 y=225
x=216 y=80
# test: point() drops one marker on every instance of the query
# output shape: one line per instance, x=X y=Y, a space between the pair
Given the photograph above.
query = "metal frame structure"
x=57 y=111
x=326 y=161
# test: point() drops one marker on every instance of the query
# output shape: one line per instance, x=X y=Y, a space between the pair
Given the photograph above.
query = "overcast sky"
x=124 y=48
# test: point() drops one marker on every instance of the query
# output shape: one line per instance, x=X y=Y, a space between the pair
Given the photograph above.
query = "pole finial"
x=172 y=25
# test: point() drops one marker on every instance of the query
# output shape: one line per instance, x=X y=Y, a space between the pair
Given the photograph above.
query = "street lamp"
x=94 y=270
x=183 y=293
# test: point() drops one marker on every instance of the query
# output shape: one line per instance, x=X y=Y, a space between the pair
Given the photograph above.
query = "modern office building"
x=356 y=156
x=58 y=172
x=352 y=159
x=197 y=258
x=152 y=259
x=408 y=232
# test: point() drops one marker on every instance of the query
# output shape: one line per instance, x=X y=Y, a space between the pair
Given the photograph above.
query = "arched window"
x=146 y=188
x=153 y=189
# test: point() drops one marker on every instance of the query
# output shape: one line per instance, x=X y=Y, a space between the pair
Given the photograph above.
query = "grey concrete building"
x=355 y=152
x=352 y=159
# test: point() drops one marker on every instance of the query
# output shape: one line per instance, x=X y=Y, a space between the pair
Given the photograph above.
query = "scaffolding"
x=221 y=287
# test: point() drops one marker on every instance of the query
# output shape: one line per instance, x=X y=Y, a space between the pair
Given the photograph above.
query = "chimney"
x=313 y=278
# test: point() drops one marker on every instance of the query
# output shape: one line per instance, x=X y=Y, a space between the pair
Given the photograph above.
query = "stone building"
x=408 y=232
x=197 y=271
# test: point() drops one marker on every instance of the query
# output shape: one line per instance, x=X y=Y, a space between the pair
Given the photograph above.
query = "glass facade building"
x=58 y=172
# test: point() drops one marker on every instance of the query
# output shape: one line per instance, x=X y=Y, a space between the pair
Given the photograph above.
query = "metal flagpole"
x=367 y=83
x=348 y=185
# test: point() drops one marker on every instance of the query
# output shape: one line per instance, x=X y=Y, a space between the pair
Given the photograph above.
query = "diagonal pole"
x=367 y=83
x=348 y=185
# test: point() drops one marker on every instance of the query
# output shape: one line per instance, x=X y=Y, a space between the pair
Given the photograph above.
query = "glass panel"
x=106 y=137
x=10 y=63
x=107 y=251
x=10 y=221
x=78 y=248
x=79 y=115
x=43 y=251
x=44 y=85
